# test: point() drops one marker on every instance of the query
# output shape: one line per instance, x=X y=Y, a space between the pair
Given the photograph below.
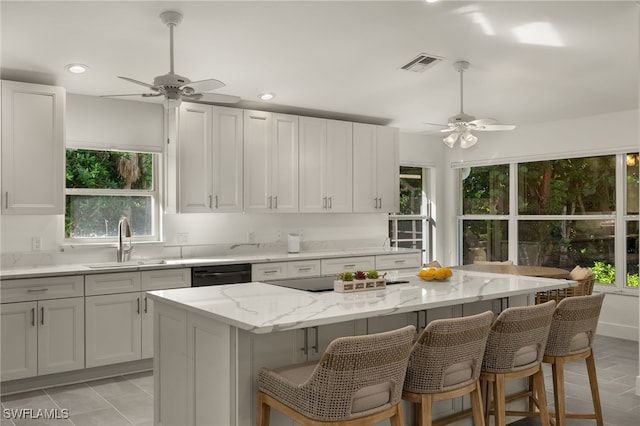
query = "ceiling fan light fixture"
x=451 y=139
x=467 y=140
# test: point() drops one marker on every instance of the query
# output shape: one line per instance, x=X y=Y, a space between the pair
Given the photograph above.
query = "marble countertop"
x=147 y=264
x=264 y=308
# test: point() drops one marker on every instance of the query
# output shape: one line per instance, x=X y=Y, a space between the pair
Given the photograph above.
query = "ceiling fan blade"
x=495 y=127
x=450 y=129
x=144 y=95
x=483 y=121
x=214 y=97
x=204 y=85
x=150 y=86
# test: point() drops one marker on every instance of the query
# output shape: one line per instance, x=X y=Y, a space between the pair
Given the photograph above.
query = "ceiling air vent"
x=421 y=63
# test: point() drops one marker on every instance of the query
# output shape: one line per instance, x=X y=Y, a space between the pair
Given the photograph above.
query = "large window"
x=104 y=186
x=413 y=226
x=579 y=211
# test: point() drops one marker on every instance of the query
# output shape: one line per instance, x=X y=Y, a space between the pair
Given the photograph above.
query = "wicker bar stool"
x=515 y=348
x=445 y=363
x=358 y=381
x=583 y=276
x=570 y=338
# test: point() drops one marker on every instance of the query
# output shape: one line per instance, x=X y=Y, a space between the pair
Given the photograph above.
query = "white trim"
x=144 y=149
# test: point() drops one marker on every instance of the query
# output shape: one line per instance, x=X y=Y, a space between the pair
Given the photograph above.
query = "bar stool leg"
x=264 y=411
x=538 y=385
x=426 y=410
x=476 y=406
x=499 y=403
x=595 y=394
x=397 y=420
x=557 y=369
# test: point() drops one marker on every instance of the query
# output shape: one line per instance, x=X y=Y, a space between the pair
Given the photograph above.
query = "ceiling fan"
x=461 y=125
x=174 y=87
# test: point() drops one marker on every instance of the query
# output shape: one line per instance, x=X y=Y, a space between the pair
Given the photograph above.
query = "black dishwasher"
x=220 y=274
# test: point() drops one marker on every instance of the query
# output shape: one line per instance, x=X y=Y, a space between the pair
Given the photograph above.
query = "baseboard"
x=77 y=376
x=617 y=330
x=638 y=385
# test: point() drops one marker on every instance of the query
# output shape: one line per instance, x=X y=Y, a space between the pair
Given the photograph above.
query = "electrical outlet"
x=36 y=243
x=251 y=237
x=182 y=238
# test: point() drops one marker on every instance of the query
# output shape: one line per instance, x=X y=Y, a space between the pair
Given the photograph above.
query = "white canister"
x=293 y=243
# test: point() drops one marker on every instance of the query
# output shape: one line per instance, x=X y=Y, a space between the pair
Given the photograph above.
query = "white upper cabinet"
x=33 y=153
x=325 y=165
x=270 y=162
x=210 y=142
x=375 y=168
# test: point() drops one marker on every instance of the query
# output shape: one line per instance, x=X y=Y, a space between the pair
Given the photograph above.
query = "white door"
x=19 y=338
x=227 y=147
x=257 y=161
x=284 y=163
x=32 y=148
x=387 y=166
x=113 y=328
x=365 y=196
x=60 y=335
x=339 y=166
x=313 y=158
x=194 y=157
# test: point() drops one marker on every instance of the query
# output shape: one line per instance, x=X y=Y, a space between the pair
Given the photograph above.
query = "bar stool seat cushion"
x=526 y=356
x=458 y=373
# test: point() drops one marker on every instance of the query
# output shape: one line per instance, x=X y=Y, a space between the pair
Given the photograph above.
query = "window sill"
x=109 y=244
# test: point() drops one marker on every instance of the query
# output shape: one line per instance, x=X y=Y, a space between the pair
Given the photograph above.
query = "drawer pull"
x=352 y=265
x=42 y=315
x=33 y=317
x=37 y=290
x=400 y=261
x=255 y=117
x=273 y=271
x=138 y=303
x=308 y=268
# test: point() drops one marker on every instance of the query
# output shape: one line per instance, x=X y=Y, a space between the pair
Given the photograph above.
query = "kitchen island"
x=209 y=342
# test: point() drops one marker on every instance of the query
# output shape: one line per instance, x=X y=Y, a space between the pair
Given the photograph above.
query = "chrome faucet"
x=124 y=231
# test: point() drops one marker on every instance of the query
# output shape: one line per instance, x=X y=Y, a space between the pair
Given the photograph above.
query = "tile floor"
x=127 y=400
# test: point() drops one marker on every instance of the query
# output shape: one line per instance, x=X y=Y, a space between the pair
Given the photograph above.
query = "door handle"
x=33 y=317
x=315 y=342
x=330 y=202
x=275 y=203
x=138 y=303
x=270 y=199
x=216 y=201
x=146 y=305
x=42 y=315
x=305 y=347
x=324 y=202
x=209 y=201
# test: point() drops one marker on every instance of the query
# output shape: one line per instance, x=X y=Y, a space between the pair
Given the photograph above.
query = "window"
x=413 y=226
x=578 y=211
x=103 y=186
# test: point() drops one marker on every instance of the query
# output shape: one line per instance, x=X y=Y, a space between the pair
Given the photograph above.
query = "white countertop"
x=146 y=264
x=263 y=308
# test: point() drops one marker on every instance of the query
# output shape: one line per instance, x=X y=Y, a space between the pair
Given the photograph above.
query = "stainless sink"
x=127 y=264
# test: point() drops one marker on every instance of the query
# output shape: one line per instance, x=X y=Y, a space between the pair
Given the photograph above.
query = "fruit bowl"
x=434 y=274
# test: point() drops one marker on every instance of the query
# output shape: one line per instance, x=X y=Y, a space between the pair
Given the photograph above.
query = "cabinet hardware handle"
x=273 y=271
x=146 y=305
x=42 y=315
x=353 y=265
x=6 y=200
x=216 y=201
x=330 y=202
x=33 y=317
x=315 y=345
x=375 y=203
x=324 y=202
x=399 y=261
x=209 y=201
x=255 y=117
x=380 y=201
x=37 y=290
x=305 y=347
x=308 y=268
x=138 y=302
x=270 y=199
x=275 y=202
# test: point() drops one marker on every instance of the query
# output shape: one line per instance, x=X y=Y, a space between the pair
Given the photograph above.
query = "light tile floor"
x=127 y=400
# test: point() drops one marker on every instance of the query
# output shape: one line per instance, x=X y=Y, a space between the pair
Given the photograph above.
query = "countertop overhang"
x=263 y=308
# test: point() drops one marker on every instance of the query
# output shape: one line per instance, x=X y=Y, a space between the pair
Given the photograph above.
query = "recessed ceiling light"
x=266 y=96
x=76 y=68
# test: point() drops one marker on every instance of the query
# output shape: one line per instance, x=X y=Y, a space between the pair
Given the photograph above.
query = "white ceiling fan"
x=174 y=87
x=461 y=125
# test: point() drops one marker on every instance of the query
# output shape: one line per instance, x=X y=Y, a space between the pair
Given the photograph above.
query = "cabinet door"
x=227 y=143
x=60 y=335
x=194 y=158
x=387 y=169
x=257 y=159
x=19 y=338
x=32 y=148
x=284 y=163
x=320 y=337
x=113 y=328
x=365 y=196
x=313 y=159
x=339 y=166
x=147 y=326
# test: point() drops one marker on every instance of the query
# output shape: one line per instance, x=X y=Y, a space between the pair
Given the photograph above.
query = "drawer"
x=121 y=282
x=161 y=279
x=347 y=264
x=398 y=261
x=303 y=268
x=268 y=271
x=24 y=290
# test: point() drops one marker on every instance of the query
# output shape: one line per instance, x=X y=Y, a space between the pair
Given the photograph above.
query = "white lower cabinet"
x=42 y=337
x=119 y=326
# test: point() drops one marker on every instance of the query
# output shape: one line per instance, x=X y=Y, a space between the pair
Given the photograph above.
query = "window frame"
x=154 y=194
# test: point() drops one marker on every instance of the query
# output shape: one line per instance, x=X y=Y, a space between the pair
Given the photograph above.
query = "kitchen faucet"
x=124 y=231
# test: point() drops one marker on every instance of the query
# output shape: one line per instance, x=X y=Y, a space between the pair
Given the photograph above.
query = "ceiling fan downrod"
x=460 y=66
x=171 y=19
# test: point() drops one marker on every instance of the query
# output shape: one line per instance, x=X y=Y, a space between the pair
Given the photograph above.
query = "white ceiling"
x=342 y=59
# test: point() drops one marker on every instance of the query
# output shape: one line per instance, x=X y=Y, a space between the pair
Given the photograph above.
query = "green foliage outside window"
x=109 y=185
